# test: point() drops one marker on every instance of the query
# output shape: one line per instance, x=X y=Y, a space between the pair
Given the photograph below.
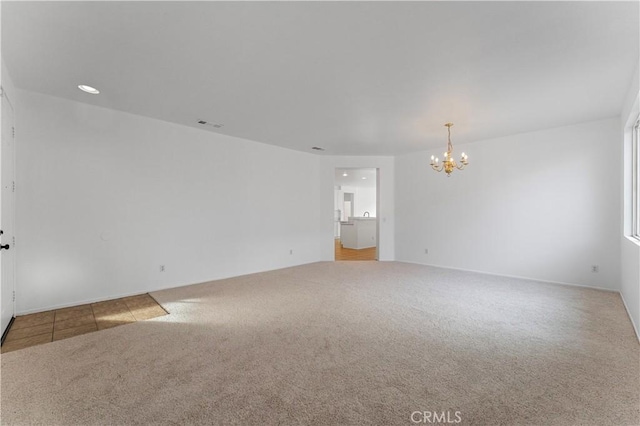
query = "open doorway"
x=355 y=214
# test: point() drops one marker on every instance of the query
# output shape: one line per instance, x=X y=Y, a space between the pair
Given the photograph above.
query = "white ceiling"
x=362 y=78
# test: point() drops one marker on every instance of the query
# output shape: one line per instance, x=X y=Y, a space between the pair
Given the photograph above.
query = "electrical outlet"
x=161 y=268
x=595 y=268
x=426 y=251
x=291 y=251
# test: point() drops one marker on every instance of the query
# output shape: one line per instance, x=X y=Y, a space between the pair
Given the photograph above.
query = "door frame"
x=11 y=242
x=334 y=186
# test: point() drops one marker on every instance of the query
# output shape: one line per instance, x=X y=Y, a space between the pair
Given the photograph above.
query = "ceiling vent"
x=206 y=123
x=317 y=148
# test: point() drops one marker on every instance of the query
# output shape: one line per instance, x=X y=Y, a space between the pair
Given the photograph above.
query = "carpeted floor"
x=343 y=343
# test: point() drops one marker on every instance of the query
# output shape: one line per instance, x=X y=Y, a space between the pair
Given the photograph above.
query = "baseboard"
x=633 y=324
x=227 y=277
x=78 y=303
x=148 y=290
x=6 y=330
x=514 y=276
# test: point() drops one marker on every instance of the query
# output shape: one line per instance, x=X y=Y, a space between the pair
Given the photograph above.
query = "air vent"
x=317 y=148
x=206 y=123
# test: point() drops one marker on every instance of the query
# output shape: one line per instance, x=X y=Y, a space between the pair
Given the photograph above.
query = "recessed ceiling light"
x=88 y=89
x=344 y=174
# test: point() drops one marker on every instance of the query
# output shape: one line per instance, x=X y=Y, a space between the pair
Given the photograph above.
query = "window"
x=635 y=184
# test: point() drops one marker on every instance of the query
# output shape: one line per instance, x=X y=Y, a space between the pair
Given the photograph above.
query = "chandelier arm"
x=449 y=164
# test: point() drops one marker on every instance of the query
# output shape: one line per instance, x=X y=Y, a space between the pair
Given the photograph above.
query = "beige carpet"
x=343 y=343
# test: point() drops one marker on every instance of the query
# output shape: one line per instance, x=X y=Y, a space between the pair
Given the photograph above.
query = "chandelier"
x=448 y=164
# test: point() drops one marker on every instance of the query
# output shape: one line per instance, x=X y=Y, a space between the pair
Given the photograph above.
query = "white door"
x=7 y=213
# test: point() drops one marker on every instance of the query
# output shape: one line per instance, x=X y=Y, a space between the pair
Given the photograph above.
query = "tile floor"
x=44 y=327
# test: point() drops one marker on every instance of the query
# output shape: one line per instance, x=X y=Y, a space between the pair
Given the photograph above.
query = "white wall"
x=630 y=250
x=104 y=198
x=364 y=199
x=385 y=213
x=541 y=205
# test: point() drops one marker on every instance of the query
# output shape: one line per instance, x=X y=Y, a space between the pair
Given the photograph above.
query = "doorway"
x=355 y=213
x=7 y=188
